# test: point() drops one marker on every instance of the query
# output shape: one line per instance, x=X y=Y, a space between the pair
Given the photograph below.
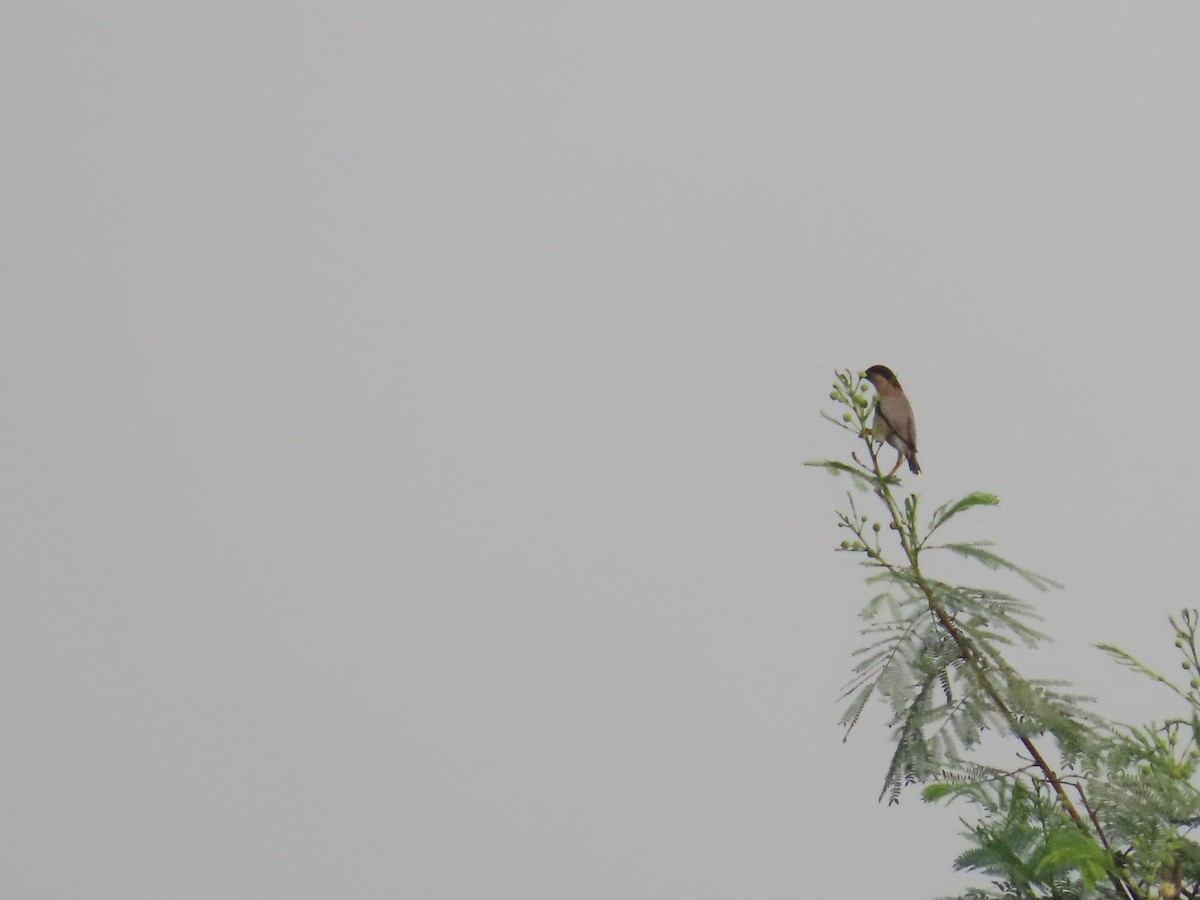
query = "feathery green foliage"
x=1088 y=808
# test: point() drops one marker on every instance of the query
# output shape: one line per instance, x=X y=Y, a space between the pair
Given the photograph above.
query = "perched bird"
x=894 y=422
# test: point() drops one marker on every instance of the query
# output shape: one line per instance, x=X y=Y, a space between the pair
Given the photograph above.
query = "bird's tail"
x=912 y=463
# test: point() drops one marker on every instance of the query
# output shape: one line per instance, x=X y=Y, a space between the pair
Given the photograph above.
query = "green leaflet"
x=947 y=511
x=977 y=551
x=833 y=467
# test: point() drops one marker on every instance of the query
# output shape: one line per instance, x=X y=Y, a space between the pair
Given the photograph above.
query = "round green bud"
x=862 y=374
x=1186 y=664
x=846 y=417
x=876 y=526
x=1195 y=683
x=845 y=545
x=892 y=525
x=1179 y=643
x=833 y=395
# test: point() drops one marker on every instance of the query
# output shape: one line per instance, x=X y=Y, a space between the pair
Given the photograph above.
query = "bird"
x=894 y=423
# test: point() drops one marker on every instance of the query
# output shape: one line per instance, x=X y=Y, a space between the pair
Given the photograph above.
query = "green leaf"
x=1122 y=658
x=1070 y=849
x=1187 y=853
x=850 y=718
x=834 y=467
x=977 y=551
x=933 y=793
x=947 y=511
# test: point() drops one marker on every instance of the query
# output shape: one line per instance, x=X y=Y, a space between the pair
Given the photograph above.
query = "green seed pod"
x=1195 y=683
x=833 y=395
x=846 y=417
x=845 y=545
x=1186 y=664
x=877 y=526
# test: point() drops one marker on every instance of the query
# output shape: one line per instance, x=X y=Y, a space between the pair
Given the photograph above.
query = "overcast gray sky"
x=405 y=406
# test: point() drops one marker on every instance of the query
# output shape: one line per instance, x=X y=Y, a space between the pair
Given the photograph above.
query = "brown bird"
x=894 y=422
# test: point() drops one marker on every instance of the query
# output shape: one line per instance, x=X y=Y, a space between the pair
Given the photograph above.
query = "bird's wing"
x=898 y=414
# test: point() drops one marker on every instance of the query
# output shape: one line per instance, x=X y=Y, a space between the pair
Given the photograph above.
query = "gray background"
x=404 y=408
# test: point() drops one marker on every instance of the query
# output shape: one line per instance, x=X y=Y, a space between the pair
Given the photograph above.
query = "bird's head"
x=881 y=377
